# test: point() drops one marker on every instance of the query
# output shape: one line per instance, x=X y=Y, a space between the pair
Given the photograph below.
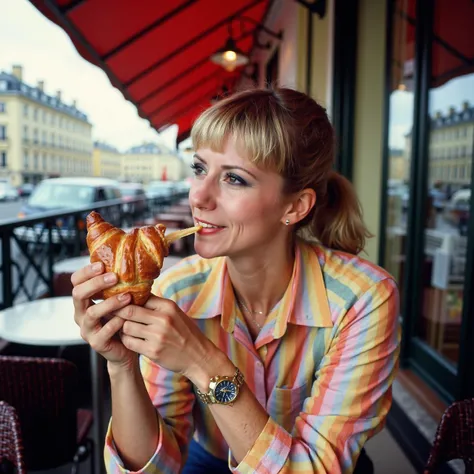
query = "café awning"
x=452 y=51
x=157 y=52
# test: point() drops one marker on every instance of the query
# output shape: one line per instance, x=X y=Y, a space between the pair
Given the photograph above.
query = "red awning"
x=157 y=53
x=452 y=52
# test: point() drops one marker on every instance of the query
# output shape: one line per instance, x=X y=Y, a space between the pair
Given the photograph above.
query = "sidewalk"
x=387 y=456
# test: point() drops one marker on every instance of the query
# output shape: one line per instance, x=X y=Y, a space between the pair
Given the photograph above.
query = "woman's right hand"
x=98 y=328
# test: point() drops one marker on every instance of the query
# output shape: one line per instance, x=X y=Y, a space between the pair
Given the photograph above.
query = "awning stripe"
x=149 y=28
x=191 y=42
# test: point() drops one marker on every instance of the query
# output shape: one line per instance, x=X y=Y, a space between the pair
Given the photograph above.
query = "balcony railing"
x=30 y=247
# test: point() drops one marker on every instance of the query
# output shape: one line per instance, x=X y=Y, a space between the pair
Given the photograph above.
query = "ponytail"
x=337 y=221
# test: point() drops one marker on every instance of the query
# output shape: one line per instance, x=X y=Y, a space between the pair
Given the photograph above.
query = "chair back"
x=11 y=446
x=43 y=393
x=454 y=437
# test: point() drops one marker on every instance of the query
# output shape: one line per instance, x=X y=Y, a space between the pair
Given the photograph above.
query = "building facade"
x=151 y=162
x=451 y=147
x=106 y=161
x=40 y=135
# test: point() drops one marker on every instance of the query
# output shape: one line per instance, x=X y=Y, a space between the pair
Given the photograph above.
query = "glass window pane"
x=400 y=137
x=451 y=110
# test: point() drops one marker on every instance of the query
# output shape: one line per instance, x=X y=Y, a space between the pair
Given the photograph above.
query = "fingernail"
x=96 y=267
x=123 y=296
x=110 y=277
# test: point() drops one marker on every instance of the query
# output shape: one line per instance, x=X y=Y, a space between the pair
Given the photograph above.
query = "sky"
x=46 y=53
x=451 y=94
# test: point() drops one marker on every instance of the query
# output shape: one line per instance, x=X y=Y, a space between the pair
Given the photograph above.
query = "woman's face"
x=240 y=206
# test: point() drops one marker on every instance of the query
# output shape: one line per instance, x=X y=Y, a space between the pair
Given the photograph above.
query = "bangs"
x=255 y=125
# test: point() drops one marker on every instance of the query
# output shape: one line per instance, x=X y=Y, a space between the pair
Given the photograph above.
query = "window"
x=35 y=161
x=429 y=109
x=35 y=136
x=26 y=160
x=35 y=114
x=3 y=132
x=3 y=159
x=3 y=107
x=3 y=85
x=45 y=160
x=25 y=110
x=25 y=132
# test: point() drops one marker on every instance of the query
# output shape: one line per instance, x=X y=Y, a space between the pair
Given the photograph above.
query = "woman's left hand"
x=162 y=332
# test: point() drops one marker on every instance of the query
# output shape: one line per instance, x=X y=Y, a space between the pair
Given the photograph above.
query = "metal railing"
x=30 y=247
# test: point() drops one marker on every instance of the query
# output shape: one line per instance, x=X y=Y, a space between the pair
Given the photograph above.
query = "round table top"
x=43 y=322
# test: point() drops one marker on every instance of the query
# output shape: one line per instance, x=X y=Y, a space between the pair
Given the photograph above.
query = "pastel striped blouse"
x=322 y=366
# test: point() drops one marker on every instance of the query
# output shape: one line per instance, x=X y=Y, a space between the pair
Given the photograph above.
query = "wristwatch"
x=223 y=389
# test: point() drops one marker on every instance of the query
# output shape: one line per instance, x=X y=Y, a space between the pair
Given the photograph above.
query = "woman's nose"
x=202 y=195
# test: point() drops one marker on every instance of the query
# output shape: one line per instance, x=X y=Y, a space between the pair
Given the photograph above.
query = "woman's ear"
x=300 y=206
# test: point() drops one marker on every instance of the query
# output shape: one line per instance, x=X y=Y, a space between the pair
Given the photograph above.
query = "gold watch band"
x=208 y=397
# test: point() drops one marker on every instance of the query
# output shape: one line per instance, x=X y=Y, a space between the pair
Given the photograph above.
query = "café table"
x=50 y=322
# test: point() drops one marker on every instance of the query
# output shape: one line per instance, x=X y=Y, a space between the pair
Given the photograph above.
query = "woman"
x=273 y=353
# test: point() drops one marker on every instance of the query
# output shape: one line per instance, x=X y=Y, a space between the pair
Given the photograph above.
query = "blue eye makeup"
x=229 y=178
x=235 y=180
x=197 y=168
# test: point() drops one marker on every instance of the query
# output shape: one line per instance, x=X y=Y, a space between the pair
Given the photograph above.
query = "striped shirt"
x=322 y=366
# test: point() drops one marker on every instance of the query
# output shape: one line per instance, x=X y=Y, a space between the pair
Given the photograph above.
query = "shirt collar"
x=305 y=302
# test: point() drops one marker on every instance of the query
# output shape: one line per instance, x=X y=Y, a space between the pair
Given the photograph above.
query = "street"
x=34 y=286
x=9 y=210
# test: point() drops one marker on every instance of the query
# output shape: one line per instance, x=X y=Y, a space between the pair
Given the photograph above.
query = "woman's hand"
x=97 y=327
x=163 y=333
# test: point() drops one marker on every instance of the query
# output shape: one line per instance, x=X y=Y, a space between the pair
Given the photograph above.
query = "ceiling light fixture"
x=230 y=56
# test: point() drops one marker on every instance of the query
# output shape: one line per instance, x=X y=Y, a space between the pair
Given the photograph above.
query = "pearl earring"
x=287 y=222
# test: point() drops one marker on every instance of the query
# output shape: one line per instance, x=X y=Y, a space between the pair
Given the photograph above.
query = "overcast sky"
x=46 y=53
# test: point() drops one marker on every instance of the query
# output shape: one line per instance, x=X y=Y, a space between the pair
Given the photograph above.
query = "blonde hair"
x=287 y=131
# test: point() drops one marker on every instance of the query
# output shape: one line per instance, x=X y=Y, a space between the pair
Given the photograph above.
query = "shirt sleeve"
x=350 y=397
x=174 y=398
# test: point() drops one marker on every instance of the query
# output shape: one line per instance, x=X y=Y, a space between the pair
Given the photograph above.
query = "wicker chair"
x=43 y=392
x=11 y=446
x=454 y=437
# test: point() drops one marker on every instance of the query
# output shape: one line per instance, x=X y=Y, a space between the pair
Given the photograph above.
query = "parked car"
x=457 y=210
x=25 y=190
x=158 y=189
x=183 y=186
x=8 y=192
x=134 y=198
x=62 y=194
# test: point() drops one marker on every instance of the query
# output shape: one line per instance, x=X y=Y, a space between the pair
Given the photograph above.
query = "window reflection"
x=451 y=139
x=400 y=129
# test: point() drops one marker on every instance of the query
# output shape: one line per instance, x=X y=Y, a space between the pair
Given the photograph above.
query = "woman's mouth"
x=207 y=227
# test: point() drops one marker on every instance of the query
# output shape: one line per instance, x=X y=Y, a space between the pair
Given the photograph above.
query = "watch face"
x=225 y=391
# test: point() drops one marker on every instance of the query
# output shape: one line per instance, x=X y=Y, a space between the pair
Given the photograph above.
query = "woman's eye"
x=197 y=169
x=232 y=178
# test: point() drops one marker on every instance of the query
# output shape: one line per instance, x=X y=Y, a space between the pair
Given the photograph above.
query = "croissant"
x=135 y=257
